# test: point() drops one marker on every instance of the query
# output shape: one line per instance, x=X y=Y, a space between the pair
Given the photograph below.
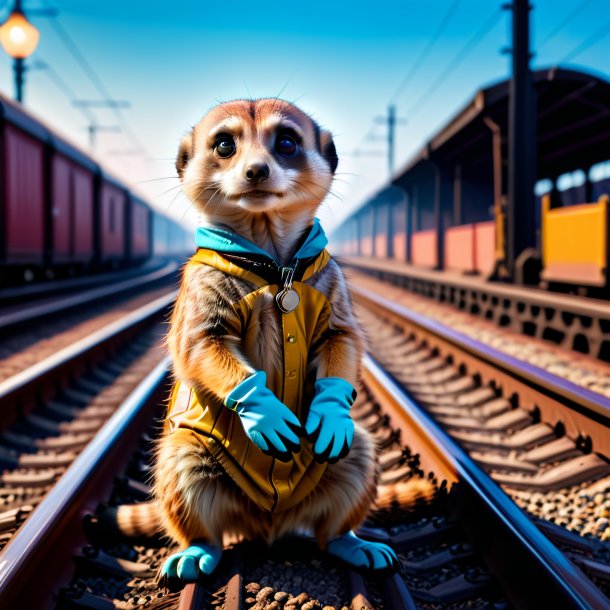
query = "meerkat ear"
x=328 y=150
x=184 y=153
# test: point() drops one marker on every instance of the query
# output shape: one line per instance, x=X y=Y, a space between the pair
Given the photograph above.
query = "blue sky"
x=341 y=61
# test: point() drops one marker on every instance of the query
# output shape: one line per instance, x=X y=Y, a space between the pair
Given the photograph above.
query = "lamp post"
x=19 y=38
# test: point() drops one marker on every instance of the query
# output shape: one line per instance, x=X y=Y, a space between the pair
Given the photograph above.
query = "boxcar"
x=160 y=235
x=176 y=236
x=171 y=239
x=113 y=218
x=73 y=177
x=60 y=213
x=139 y=243
x=23 y=175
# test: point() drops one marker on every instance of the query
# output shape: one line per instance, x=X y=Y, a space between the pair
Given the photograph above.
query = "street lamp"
x=19 y=38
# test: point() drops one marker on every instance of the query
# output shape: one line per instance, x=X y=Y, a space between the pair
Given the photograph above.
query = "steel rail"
x=10 y=321
x=53 y=531
x=21 y=391
x=531 y=570
x=579 y=398
x=40 y=290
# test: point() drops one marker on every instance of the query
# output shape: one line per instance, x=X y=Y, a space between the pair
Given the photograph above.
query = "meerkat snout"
x=257 y=172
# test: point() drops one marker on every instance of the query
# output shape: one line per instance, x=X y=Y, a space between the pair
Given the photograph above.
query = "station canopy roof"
x=573 y=124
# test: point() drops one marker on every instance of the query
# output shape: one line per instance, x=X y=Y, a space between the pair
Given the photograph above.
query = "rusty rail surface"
x=20 y=393
x=41 y=551
x=584 y=413
x=511 y=544
x=19 y=317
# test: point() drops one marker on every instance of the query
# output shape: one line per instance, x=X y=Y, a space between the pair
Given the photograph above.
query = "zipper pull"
x=287 y=275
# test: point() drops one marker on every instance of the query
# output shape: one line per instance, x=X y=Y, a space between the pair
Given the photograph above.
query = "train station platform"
x=573 y=322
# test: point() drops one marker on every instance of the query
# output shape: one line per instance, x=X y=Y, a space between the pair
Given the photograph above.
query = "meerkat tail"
x=135 y=520
x=404 y=494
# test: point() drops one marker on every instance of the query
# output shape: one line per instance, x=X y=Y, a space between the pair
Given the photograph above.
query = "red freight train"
x=61 y=214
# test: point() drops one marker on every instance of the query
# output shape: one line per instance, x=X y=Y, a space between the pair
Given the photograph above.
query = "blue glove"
x=329 y=425
x=268 y=422
x=363 y=553
x=190 y=563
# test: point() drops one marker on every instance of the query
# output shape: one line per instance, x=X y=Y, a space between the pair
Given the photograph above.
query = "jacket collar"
x=228 y=242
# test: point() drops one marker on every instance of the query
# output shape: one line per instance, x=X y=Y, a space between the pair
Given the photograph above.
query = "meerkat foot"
x=362 y=553
x=189 y=564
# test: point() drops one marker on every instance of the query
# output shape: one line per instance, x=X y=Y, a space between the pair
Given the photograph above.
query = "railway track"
x=579 y=369
x=29 y=335
x=113 y=572
x=42 y=550
x=26 y=294
x=51 y=411
x=542 y=438
x=464 y=544
x=468 y=545
x=19 y=311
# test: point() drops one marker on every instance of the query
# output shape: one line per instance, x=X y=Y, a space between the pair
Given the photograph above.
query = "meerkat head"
x=257 y=155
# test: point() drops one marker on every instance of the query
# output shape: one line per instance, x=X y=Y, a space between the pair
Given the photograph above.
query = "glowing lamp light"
x=19 y=38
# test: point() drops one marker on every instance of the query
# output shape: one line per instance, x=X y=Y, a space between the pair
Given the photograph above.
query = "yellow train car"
x=575 y=243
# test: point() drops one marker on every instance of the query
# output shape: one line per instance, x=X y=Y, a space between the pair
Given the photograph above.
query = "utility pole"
x=522 y=141
x=391 y=120
x=93 y=130
x=391 y=127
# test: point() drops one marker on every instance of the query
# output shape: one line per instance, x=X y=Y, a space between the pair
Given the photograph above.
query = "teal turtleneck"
x=228 y=242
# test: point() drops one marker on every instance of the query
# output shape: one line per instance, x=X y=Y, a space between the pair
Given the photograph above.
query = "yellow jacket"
x=274 y=486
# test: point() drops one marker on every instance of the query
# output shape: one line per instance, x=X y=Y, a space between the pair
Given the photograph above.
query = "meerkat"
x=266 y=351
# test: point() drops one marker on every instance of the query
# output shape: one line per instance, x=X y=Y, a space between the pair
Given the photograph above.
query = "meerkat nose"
x=257 y=172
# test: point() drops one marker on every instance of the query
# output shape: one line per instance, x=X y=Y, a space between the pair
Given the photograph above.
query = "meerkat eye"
x=224 y=146
x=286 y=145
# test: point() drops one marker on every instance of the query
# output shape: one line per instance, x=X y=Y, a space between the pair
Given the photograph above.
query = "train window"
x=578 y=178
x=571 y=180
x=599 y=172
x=564 y=182
x=543 y=186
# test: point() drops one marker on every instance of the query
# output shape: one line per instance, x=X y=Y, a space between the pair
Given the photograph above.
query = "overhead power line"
x=426 y=50
x=590 y=41
x=61 y=84
x=462 y=54
x=85 y=108
x=370 y=134
x=563 y=23
x=80 y=59
x=72 y=47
